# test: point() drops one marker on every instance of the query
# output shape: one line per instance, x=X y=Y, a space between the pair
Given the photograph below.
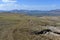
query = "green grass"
x=19 y=27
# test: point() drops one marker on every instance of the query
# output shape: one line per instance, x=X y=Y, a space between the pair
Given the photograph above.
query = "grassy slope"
x=19 y=27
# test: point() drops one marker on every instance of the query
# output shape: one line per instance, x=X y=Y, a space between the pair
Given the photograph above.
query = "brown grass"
x=19 y=27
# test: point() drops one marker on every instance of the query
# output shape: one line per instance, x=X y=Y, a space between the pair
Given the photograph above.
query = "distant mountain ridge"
x=37 y=12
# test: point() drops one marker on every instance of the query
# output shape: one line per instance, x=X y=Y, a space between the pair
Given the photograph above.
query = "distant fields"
x=20 y=26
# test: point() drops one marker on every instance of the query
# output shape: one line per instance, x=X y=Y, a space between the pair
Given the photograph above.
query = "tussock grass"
x=19 y=27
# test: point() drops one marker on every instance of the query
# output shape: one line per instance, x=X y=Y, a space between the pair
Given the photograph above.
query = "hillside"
x=20 y=27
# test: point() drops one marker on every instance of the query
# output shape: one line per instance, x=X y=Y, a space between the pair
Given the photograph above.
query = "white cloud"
x=39 y=7
x=9 y=6
x=12 y=6
x=9 y=1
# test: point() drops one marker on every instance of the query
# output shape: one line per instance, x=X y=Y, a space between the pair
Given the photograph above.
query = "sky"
x=29 y=4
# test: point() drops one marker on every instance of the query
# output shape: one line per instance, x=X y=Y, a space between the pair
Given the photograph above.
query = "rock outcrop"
x=50 y=30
